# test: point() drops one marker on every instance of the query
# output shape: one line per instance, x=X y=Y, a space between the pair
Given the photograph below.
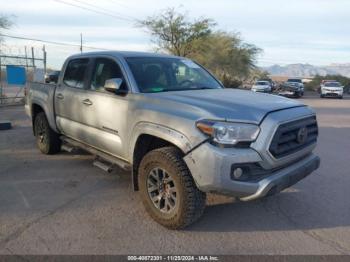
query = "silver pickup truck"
x=178 y=131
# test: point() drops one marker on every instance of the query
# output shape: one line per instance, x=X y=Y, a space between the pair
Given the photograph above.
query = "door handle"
x=87 y=102
x=60 y=96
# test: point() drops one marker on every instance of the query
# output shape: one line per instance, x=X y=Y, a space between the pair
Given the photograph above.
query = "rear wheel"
x=48 y=141
x=168 y=190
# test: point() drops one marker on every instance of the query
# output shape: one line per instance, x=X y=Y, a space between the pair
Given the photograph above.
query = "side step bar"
x=104 y=166
x=67 y=148
x=103 y=160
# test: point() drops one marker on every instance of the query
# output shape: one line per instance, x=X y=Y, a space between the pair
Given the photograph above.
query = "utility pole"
x=81 y=43
x=44 y=57
x=33 y=59
x=26 y=56
x=27 y=70
x=0 y=76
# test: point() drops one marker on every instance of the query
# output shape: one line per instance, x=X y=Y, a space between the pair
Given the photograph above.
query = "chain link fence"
x=28 y=60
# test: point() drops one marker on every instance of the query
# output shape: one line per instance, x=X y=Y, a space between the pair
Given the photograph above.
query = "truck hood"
x=223 y=104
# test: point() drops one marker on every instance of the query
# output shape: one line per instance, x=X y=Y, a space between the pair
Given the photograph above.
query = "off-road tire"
x=299 y=94
x=190 y=200
x=47 y=140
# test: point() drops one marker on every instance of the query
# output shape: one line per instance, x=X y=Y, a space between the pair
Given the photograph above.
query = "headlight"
x=227 y=133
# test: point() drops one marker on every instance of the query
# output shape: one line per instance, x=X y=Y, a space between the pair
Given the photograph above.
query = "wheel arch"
x=147 y=137
x=35 y=110
x=38 y=107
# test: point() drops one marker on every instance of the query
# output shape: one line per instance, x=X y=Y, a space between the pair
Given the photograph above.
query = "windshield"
x=261 y=83
x=332 y=84
x=294 y=80
x=162 y=74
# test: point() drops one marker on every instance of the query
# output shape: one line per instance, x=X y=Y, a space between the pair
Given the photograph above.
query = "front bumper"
x=289 y=92
x=261 y=90
x=332 y=92
x=211 y=168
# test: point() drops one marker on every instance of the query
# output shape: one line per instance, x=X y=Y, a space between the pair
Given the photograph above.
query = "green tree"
x=228 y=57
x=224 y=54
x=173 y=32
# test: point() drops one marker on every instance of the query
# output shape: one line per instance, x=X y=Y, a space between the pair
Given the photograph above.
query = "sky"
x=300 y=31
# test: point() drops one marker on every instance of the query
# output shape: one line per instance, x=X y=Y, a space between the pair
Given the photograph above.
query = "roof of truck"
x=123 y=54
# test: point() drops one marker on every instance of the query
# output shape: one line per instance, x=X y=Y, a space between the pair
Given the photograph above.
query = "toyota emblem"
x=302 y=135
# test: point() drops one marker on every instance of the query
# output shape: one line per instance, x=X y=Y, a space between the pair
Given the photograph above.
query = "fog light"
x=237 y=173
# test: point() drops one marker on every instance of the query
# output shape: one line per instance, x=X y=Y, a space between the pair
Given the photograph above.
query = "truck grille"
x=294 y=136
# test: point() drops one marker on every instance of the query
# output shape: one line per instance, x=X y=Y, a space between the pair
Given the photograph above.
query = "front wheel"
x=47 y=140
x=297 y=94
x=168 y=191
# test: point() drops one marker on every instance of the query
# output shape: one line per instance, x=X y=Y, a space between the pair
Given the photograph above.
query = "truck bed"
x=43 y=95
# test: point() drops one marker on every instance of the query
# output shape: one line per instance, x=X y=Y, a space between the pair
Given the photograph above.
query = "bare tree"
x=5 y=23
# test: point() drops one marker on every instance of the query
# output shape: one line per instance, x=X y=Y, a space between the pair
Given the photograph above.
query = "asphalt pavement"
x=62 y=204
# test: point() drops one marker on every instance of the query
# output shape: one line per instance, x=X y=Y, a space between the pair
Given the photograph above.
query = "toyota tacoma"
x=174 y=126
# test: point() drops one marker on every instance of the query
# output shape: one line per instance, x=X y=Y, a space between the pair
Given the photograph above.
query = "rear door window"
x=74 y=75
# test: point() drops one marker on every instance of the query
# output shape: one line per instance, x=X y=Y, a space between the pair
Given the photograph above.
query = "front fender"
x=163 y=132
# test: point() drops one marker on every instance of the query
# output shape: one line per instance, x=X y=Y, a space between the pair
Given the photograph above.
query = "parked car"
x=322 y=82
x=272 y=83
x=178 y=131
x=331 y=89
x=262 y=86
x=292 y=87
x=52 y=77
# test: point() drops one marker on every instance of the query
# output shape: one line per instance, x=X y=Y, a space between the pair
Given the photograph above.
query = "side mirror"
x=113 y=85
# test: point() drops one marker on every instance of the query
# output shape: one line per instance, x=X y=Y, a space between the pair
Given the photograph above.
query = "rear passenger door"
x=69 y=99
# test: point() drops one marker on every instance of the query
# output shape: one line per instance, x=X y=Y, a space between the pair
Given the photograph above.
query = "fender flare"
x=157 y=130
x=50 y=119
